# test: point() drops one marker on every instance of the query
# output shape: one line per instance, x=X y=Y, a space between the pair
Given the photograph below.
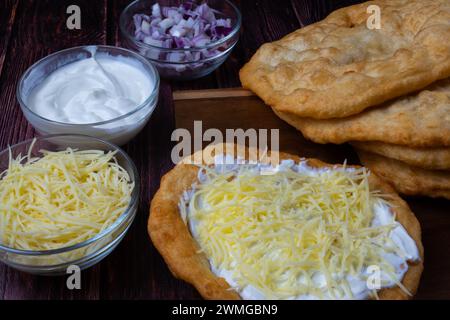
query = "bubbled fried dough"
x=406 y=179
x=418 y=120
x=437 y=158
x=172 y=237
x=338 y=67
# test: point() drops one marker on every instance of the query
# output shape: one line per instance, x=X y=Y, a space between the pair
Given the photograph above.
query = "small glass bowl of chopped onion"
x=185 y=40
x=66 y=201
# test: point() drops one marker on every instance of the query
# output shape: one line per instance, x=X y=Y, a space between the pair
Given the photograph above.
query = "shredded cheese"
x=279 y=232
x=61 y=199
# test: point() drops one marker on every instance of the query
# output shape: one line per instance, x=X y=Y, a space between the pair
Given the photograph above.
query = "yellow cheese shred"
x=61 y=199
x=277 y=232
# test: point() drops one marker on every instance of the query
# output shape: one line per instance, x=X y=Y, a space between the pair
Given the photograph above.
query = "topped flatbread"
x=237 y=227
x=338 y=67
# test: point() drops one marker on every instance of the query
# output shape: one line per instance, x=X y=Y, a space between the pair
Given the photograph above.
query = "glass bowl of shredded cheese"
x=65 y=200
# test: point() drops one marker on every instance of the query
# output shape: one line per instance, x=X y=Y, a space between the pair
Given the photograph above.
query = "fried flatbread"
x=338 y=67
x=417 y=120
x=172 y=237
x=427 y=158
x=407 y=179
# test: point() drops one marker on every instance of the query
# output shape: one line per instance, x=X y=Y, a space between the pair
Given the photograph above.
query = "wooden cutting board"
x=238 y=108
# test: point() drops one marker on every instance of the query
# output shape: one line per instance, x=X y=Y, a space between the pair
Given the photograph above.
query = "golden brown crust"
x=408 y=179
x=417 y=120
x=409 y=221
x=437 y=158
x=338 y=67
x=173 y=240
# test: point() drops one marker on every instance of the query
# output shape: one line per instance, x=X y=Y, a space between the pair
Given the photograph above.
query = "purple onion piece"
x=221 y=31
x=188 y=5
x=156 y=11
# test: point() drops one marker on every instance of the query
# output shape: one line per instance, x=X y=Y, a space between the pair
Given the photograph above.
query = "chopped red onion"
x=156 y=11
x=187 y=26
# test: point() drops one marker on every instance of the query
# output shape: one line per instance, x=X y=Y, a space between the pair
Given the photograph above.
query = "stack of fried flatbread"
x=385 y=90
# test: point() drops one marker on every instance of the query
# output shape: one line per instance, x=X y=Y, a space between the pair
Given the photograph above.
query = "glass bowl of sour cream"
x=101 y=91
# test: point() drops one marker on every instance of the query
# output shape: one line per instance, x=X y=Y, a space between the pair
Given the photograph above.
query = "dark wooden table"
x=30 y=30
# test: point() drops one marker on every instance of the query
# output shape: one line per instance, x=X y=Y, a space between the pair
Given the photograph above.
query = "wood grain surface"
x=31 y=29
x=240 y=109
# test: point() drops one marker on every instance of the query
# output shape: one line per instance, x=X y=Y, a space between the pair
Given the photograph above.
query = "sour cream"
x=91 y=90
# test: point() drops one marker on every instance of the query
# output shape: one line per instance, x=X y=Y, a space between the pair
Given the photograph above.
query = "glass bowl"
x=165 y=59
x=89 y=252
x=118 y=130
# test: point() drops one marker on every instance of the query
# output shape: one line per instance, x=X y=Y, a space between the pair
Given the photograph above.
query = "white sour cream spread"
x=92 y=90
x=398 y=246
